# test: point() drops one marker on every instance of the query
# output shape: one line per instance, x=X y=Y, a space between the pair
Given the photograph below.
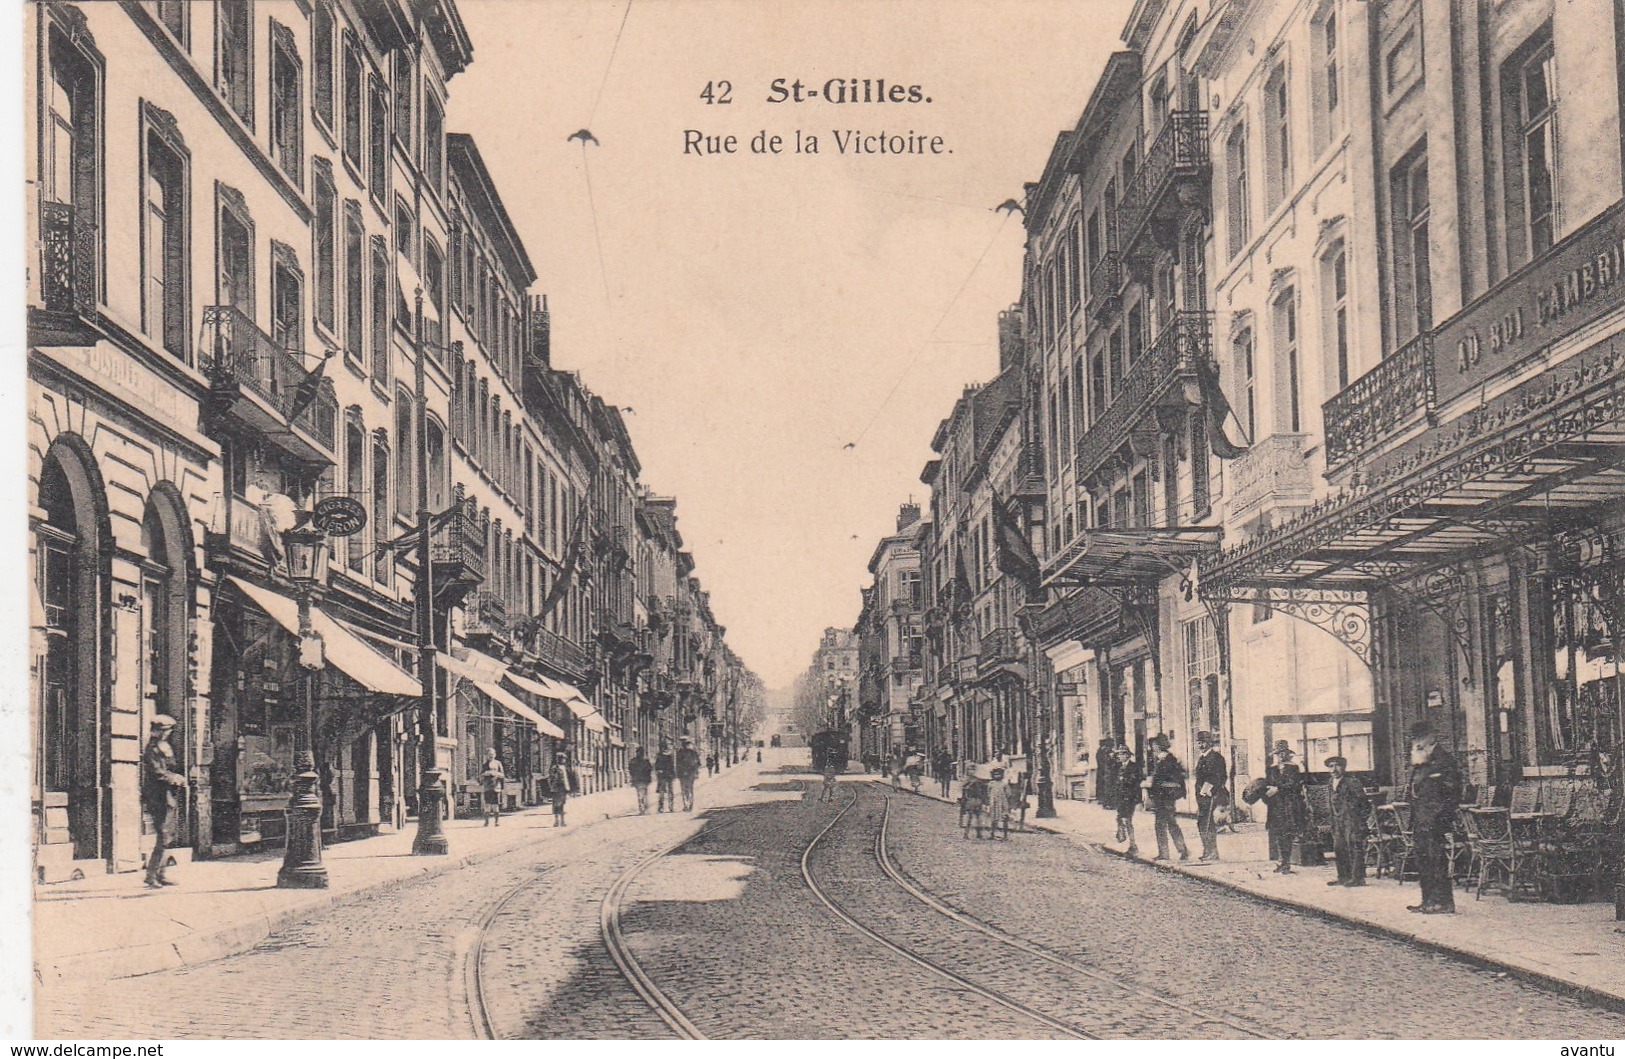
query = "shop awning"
x=1127 y=556
x=593 y=720
x=466 y=662
x=557 y=690
x=343 y=648
x=505 y=698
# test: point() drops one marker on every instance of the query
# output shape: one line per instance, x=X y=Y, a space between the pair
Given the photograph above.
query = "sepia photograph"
x=908 y=520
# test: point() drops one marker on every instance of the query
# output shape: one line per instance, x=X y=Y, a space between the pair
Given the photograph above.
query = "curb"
x=216 y=944
x=1586 y=994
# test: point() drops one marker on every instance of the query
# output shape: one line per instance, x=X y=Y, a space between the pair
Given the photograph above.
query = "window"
x=355 y=484
x=1402 y=64
x=355 y=243
x=171 y=15
x=437 y=467
x=1335 y=282
x=234 y=63
x=434 y=143
x=1277 y=139
x=71 y=177
x=1135 y=327
x=1080 y=396
x=1099 y=387
x=377 y=139
x=163 y=260
x=1165 y=290
x=1201 y=497
x=1201 y=653
x=1288 y=399
x=352 y=102
x=1170 y=480
x=1413 y=277
x=404 y=247
x=287 y=117
x=405 y=435
x=1580 y=666
x=1243 y=350
x=1529 y=105
x=325 y=233
x=1239 y=206
x=1328 y=87
x=434 y=292
x=378 y=331
x=287 y=298
x=1118 y=367
x=384 y=561
x=321 y=62
x=404 y=80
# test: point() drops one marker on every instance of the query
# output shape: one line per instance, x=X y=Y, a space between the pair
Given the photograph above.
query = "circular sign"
x=339 y=516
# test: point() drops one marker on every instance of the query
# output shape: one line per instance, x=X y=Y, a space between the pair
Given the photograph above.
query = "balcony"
x=484 y=614
x=563 y=656
x=1381 y=401
x=1155 y=379
x=1000 y=648
x=1271 y=474
x=67 y=259
x=254 y=381
x=457 y=550
x=1173 y=177
x=1106 y=274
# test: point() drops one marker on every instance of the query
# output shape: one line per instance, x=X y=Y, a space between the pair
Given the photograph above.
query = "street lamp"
x=302 y=867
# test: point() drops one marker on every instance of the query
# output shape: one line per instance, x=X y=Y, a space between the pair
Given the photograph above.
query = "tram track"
x=936 y=904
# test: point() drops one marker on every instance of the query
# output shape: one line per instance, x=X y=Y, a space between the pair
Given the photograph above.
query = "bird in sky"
x=584 y=136
x=850 y=445
x=629 y=410
x=1009 y=205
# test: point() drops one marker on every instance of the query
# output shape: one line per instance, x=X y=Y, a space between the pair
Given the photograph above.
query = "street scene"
x=1104 y=525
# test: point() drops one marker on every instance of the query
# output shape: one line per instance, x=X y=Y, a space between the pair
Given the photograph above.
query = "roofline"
x=463 y=154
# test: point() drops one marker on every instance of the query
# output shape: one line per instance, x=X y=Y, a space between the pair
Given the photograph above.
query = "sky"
x=759 y=312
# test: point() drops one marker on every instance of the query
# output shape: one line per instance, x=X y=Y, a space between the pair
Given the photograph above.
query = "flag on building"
x=1219 y=412
x=572 y=559
x=308 y=388
x=1015 y=554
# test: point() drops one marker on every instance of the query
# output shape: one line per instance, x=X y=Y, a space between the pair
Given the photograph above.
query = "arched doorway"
x=70 y=775
x=166 y=581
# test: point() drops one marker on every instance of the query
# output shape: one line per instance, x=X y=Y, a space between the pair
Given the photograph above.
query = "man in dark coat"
x=159 y=782
x=1435 y=796
x=1167 y=788
x=1212 y=790
x=640 y=771
x=1350 y=809
x=1127 y=796
x=1283 y=793
x=1106 y=775
x=688 y=770
x=943 y=765
x=665 y=773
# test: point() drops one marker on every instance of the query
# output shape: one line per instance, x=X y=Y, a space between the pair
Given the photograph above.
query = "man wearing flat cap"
x=159 y=782
x=1283 y=793
x=1350 y=809
x=1435 y=794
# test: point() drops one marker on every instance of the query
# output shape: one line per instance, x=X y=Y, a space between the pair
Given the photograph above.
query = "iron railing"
x=67 y=258
x=236 y=354
x=559 y=653
x=1376 y=404
x=1183 y=345
x=1105 y=271
x=1180 y=148
x=459 y=542
x=486 y=614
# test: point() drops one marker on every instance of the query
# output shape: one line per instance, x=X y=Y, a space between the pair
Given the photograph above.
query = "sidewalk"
x=1574 y=948
x=112 y=926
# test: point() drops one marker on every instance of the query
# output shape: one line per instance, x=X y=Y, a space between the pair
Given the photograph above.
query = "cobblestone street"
x=731 y=930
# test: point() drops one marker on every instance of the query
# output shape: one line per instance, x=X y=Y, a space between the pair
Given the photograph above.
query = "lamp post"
x=430 y=840
x=302 y=867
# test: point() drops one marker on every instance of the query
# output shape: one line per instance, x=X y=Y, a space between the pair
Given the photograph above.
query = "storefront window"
x=1583 y=685
x=1317 y=738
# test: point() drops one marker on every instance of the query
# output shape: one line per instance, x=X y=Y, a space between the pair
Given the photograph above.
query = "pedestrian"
x=492 y=782
x=942 y=763
x=688 y=770
x=1212 y=792
x=1435 y=796
x=159 y=782
x=640 y=772
x=913 y=768
x=665 y=773
x=558 y=786
x=758 y=755
x=1350 y=809
x=998 y=804
x=1283 y=794
x=831 y=769
x=1106 y=775
x=1167 y=788
x=898 y=760
x=1127 y=796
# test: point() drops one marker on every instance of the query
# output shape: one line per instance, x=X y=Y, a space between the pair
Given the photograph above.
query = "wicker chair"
x=1489 y=836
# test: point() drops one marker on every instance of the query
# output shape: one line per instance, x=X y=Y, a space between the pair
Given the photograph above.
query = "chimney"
x=1012 y=341
x=907 y=515
x=541 y=331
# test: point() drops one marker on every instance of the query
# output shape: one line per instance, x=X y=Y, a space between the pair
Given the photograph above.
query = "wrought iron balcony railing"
x=560 y=653
x=1173 y=357
x=238 y=356
x=486 y=614
x=458 y=547
x=1106 y=272
x=998 y=647
x=67 y=258
x=1179 y=152
x=1379 y=402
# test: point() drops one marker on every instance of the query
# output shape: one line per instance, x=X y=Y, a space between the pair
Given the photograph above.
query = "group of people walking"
x=1122 y=784
x=681 y=767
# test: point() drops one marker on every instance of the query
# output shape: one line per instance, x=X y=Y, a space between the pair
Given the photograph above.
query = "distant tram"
x=829 y=745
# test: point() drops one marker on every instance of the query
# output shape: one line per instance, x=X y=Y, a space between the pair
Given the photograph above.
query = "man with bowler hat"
x=1350 y=809
x=1167 y=788
x=159 y=782
x=1435 y=794
x=1212 y=777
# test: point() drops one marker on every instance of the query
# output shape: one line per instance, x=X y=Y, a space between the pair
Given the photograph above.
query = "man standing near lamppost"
x=159 y=782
